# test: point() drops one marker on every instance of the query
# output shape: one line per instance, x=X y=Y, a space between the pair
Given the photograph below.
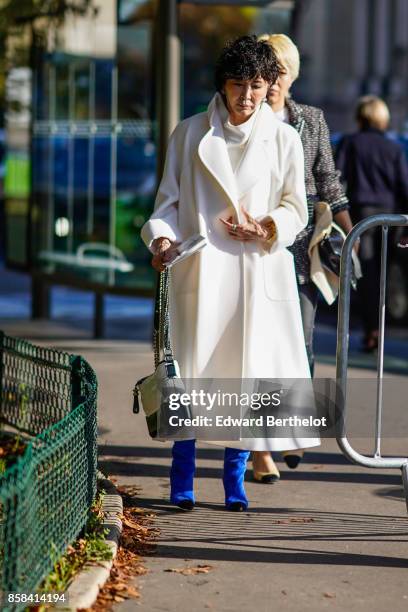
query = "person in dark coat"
x=375 y=171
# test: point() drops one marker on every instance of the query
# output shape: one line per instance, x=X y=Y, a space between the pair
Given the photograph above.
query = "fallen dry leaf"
x=132 y=591
x=191 y=571
x=132 y=525
x=142 y=511
x=137 y=538
x=288 y=521
x=119 y=586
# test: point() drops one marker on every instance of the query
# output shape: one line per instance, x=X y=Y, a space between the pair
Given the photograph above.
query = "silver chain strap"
x=161 y=332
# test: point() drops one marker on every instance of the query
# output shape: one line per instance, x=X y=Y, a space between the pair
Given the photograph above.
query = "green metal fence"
x=50 y=397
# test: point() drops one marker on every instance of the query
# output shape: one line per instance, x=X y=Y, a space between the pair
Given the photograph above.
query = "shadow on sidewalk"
x=216 y=453
x=144 y=470
x=258 y=536
x=293 y=556
x=147 y=470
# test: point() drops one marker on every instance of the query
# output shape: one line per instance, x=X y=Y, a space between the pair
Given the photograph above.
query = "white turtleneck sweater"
x=236 y=136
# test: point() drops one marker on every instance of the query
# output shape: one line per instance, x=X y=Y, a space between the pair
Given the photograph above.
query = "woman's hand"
x=343 y=219
x=163 y=252
x=251 y=229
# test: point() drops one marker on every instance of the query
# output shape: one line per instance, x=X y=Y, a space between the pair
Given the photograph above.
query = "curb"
x=84 y=589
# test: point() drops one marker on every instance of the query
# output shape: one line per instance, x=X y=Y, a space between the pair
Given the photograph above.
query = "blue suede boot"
x=182 y=474
x=235 y=461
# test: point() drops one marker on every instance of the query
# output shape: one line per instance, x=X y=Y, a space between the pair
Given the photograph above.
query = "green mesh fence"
x=50 y=397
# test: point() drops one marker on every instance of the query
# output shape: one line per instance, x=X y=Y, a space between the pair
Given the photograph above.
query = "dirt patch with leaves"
x=11 y=448
x=91 y=548
x=138 y=539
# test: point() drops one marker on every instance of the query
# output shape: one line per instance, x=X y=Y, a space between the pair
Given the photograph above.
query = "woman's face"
x=279 y=91
x=243 y=97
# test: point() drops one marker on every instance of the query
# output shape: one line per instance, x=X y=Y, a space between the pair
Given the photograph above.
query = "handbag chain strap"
x=161 y=331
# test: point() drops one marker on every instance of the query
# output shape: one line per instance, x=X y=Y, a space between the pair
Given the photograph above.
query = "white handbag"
x=154 y=390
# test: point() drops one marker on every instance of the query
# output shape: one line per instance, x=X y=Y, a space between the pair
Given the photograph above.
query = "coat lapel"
x=296 y=118
x=213 y=153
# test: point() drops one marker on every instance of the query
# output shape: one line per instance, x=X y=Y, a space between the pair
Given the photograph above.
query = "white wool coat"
x=234 y=307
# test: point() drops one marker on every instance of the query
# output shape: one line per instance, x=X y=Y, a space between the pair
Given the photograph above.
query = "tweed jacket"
x=321 y=177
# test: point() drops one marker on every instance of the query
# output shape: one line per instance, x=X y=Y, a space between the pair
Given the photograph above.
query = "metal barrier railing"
x=376 y=461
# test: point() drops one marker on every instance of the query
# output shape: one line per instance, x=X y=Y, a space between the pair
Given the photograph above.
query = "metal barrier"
x=45 y=496
x=377 y=461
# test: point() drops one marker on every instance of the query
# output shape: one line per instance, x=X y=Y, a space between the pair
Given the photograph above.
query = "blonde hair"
x=373 y=112
x=286 y=51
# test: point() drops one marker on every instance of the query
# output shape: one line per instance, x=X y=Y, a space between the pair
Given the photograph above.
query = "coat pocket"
x=279 y=276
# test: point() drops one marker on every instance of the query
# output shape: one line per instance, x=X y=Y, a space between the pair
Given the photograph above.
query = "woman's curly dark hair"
x=244 y=59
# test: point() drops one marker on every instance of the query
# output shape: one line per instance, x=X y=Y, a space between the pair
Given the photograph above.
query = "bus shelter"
x=90 y=110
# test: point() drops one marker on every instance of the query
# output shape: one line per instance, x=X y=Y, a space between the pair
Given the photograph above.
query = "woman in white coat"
x=235 y=175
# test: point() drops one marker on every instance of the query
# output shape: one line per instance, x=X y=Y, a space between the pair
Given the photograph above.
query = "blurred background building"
x=83 y=100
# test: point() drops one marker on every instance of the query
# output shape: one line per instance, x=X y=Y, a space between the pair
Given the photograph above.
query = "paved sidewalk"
x=329 y=536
